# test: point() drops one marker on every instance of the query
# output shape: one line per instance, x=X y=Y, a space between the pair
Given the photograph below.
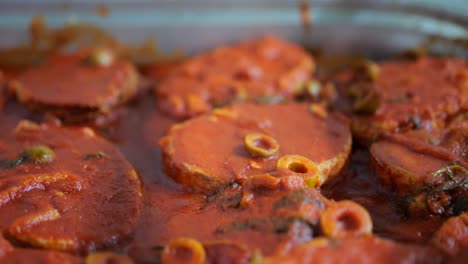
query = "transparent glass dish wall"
x=345 y=26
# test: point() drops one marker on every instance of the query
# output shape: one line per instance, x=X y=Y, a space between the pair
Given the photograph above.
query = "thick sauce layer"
x=170 y=211
x=66 y=189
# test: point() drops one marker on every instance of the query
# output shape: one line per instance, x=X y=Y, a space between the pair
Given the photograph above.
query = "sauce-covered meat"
x=357 y=250
x=77 y=87
x=251 y=166
x=452 y=237
x=261 y=67
x=66 y=189
x=273 y=220
x=232 y=144
x=429 y=165
x=397 y=95
x=407 y=163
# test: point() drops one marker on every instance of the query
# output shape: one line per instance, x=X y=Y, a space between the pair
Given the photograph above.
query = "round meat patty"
x=357 y=250
x=273 y=219
x=77 y=87
x=394 y=96
x=232 y=144
x=66 y=189
x=257 y=68
x=9 y=254
x=265 y=216
x=429 y=166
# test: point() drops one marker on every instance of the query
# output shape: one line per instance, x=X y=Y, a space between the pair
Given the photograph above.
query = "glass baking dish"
x=365 y=27
x=372 y=28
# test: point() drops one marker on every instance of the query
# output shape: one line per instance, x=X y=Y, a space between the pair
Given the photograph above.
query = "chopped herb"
x=97 y=155
x=397 y=100
x=445 y=193
x=221 y=104
x=415 y=122
x=294 y=198
x=9 y=164
x=314 y=88
x=452 y=169
x=269 y=99
x=368 y=102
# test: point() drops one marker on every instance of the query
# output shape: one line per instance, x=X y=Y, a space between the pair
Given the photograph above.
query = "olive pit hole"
x=297 y=167
x=263 y=143
x=183 y=253
x=112 y=260
x=347 y=221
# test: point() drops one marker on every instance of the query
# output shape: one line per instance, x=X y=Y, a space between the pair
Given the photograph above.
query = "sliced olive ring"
x=100 y=57
x=297 y=165
x=184 y=250
x=261 y=181
x=368 y=102
x=108 y=257
x=266 y=181
x=345 y=219
x=370 y=71
x=260 y=145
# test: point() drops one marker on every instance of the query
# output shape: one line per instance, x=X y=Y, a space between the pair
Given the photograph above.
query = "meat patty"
x=9 y=254
x=429 y=166
x=261 y=67
x=452 y=237
x=270 y=220
x=267 y=216
x=77 y=87
x=66 y=189
x=396 y=95
x=231 y=144
x=376 y=250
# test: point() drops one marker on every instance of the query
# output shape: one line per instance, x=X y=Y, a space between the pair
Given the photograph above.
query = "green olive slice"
x=368 y=103
x=39 y=154
x=298 y=165
x=184 y=250
x=100 y=57
x=260 y=145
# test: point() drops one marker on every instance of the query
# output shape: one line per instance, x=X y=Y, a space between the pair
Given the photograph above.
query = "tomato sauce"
x=169 y=210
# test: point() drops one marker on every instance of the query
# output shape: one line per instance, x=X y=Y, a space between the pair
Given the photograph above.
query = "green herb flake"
x=269 y=99
x=94 y=156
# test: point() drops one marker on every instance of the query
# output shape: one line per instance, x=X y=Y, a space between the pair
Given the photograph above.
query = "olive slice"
x=260 y=145
x=367 y=103
x=100 y=57
x=184 y=250
x=40 y=154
